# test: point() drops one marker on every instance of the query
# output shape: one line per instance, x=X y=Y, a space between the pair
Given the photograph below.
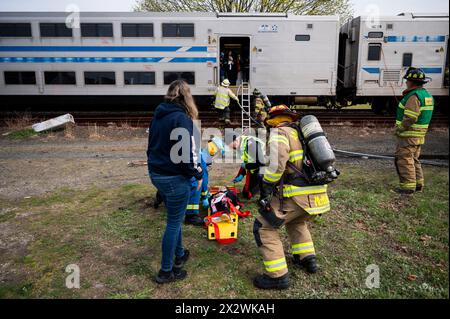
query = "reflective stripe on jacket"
x=246 y=153
x=414 y=114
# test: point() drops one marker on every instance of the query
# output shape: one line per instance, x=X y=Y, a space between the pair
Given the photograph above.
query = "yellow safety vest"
x=222 y=98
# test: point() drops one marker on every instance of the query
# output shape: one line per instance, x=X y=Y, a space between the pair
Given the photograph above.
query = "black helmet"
x=256 y=92
x=416 y=75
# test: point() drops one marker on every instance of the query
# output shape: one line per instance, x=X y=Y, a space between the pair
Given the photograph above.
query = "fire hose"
x=249 y=115
x=384 y=157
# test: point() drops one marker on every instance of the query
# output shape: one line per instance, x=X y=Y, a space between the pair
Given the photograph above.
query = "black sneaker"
x=180 y=261
x=265 y=282
x=402 y=191
x=194 y=220
x=165 y=277
x=309 y=263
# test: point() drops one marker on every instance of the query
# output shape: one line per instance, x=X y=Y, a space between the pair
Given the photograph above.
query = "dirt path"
x=39 y=165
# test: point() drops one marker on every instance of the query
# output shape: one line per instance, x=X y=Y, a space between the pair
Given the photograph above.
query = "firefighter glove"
x=205 y=203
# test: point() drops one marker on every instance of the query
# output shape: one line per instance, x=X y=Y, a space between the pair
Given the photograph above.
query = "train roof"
x=408 y=16
x=201 y=15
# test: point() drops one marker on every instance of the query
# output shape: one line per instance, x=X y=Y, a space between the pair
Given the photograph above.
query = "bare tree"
x=343 y=8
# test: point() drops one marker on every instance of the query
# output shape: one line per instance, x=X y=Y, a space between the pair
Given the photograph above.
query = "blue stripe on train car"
x=432 y=70
x=100 y=48
x=426 y=70
x=101 y=60
x=197 y=49
x=415 y=38
x=372 y=70
x=192 y=60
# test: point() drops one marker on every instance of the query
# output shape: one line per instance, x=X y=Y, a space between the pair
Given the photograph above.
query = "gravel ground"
x=39 y=165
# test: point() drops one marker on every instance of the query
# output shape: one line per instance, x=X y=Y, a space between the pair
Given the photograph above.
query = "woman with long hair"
x=171 y=172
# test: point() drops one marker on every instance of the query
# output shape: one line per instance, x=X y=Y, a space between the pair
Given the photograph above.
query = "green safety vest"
x=245 y=156
x=418 y=129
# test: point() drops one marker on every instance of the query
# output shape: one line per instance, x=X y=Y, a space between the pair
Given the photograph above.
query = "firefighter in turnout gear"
x=286 y=199
x=261 y=104
x=252 y=154
x=414 y=114
x=222 y=101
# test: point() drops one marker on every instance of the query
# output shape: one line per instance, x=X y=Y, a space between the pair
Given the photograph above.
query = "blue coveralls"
x=193 y=207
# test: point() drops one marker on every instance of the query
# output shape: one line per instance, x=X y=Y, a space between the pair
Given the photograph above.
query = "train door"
x=234 y=55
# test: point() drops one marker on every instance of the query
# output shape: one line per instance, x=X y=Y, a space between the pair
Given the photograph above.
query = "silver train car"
x=116 y=58
x=375 y=54
x=99 y=61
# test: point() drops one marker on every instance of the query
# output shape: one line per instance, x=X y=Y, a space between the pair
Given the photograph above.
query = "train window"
x=12 y=77
x=302 y=37
x=137 y=30
x=169 y=77
x=96 y=29
x=15 y=30
x=136 y=78
x=375 y=35
x=60 y=78
x=99 y=78
x=374 y=52
x=178 y=30
x=407 y=59
x=51 y=30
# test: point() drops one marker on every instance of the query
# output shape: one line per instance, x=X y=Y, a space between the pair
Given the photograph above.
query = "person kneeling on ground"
x=251 y=150
x=201 y=194
x=173 y=179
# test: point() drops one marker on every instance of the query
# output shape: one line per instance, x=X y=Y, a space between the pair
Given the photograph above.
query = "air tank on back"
x=318 y=145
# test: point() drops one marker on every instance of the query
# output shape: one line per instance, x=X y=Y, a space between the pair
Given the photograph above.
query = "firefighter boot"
x=419 y=188
x=402 y=191
x=309 y=263
x=265 y=282
x=193 y=219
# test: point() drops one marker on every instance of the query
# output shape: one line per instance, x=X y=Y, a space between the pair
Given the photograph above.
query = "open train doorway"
x=235 y=59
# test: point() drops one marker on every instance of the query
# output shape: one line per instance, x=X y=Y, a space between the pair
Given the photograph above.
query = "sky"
x=361 y=7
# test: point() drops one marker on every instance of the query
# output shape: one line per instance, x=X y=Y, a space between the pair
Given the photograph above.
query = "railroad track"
x=357 y=118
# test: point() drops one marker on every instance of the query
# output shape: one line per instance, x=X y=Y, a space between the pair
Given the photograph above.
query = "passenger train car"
x=374 y=56
x=120 y=60
x=132 y=57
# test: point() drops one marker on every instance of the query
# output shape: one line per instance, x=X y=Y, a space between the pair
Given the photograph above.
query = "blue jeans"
x=175 y=193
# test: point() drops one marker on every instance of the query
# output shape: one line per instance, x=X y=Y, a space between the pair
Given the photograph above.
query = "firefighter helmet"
x=280 y=113
x=416 y=75
x=256 y=93
x=215 y=145
x=225 y=83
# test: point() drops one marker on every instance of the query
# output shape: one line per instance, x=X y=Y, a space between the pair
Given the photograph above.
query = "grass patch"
x=114 y=237
x=22 y=134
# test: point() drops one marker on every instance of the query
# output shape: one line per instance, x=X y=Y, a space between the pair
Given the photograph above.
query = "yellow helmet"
x=215 y=145
x=225 y=83
x=280 y=113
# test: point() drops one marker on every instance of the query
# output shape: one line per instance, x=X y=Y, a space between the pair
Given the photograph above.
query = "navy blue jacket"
x=167 y=117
